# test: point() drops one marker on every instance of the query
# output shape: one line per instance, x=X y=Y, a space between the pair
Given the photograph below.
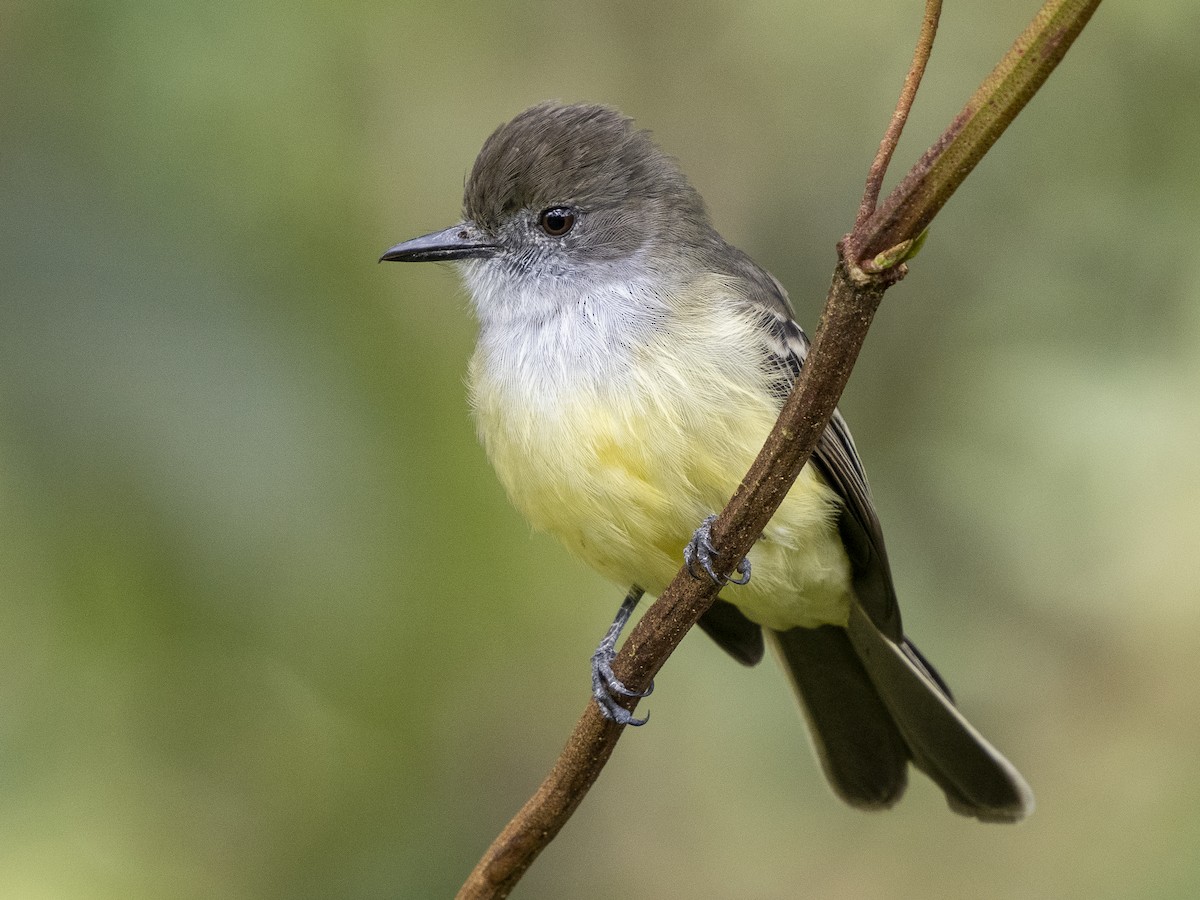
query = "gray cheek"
x=612 y=235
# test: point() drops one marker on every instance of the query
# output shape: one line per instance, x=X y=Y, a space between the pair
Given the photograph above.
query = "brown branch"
x=884 y=240
x=912 y=81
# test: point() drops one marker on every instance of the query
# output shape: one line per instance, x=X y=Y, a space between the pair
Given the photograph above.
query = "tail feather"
x=863 y=754
x=977 y=780
x=872 y=705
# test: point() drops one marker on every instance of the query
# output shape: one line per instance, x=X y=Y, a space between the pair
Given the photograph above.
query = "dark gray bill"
x=463 y=241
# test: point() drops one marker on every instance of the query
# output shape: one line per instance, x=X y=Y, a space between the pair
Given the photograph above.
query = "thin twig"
x=913 y=203
x=854 y=296
x=912 y=81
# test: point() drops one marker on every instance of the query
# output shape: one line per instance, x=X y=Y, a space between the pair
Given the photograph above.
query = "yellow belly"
x=624 y=481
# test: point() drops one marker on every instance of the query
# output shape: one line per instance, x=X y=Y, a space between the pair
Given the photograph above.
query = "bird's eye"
x=557 y=221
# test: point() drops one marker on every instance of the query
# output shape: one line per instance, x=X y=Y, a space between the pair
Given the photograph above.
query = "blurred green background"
x=268 y=626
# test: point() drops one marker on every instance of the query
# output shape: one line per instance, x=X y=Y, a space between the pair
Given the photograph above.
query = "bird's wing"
x=835 y=456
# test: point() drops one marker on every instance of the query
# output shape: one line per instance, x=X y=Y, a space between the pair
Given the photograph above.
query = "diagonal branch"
x=871 y=259
x=843 y=328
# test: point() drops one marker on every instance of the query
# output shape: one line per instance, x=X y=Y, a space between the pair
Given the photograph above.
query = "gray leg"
x=606 y=687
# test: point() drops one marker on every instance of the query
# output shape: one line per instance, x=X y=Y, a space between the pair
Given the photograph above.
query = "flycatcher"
x=629 y=367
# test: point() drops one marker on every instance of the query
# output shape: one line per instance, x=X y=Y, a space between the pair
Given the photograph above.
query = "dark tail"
x=873 y=705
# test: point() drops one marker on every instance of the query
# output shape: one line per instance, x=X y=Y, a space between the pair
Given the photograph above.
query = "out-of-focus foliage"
x=268 y=627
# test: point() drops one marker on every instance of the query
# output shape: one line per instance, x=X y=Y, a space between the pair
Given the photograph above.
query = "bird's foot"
x=699 y=553
x=606 y=687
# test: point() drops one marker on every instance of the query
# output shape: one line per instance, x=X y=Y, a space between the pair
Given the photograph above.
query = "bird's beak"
x=462 y=241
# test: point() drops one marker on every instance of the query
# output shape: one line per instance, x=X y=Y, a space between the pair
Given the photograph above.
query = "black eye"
x=557 y=221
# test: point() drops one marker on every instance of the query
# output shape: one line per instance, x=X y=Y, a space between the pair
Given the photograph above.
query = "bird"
x=630 y=363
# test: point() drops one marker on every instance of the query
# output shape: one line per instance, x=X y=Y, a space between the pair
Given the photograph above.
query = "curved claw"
x=621 y=715
x=743 y=570
x=700 y=551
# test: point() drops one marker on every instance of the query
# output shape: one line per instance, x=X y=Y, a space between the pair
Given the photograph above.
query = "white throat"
x=543 y=335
